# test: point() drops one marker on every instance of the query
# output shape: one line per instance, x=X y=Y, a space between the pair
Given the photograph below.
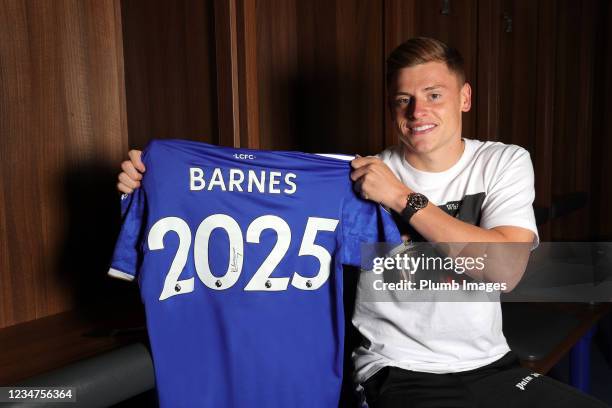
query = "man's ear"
x=466 y=97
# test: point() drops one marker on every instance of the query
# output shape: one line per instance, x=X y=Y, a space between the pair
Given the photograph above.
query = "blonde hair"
x=421 y=50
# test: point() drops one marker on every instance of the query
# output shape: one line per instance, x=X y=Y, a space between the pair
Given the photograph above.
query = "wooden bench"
x=41 y=345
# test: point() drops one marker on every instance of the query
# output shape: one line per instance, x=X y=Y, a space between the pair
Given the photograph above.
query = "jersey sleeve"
x=509 y=199
x=364 y=222
x=127 y=254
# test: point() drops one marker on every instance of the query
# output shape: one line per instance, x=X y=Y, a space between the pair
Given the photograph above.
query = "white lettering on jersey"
x=273 y=182
x=244 y=156
x=236 y=179
x=274 y=175
x=288 y=178
x=196 y=179
x=261 y=279
x=254 y=180
x=216 y=180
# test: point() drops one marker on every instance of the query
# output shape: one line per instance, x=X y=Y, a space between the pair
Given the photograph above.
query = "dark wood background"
x=83 y=80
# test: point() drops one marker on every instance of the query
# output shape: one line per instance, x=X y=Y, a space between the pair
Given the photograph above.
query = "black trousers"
x=503 y=383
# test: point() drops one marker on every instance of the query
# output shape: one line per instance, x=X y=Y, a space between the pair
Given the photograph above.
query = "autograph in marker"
x=234 y=263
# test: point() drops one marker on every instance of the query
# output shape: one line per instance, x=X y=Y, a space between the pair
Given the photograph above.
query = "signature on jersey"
x=234 y=267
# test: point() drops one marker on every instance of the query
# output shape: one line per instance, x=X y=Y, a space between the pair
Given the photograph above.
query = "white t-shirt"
x=491 y=185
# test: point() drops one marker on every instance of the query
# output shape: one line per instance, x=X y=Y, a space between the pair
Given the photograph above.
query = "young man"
x=445 y=188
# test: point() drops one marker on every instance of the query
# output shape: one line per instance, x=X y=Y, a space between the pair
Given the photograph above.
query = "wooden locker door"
x=319 y=75
x=571 y=164
x=516 y=65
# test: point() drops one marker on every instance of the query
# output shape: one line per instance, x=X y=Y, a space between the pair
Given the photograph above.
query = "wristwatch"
x=414 y=203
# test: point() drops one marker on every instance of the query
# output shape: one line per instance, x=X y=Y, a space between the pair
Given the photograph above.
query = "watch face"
x=417 y=201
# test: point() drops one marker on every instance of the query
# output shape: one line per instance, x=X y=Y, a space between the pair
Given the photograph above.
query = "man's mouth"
x=422 y=129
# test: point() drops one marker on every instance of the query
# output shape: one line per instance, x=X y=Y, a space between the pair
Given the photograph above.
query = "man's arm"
x=129 y=178
x=376 y=182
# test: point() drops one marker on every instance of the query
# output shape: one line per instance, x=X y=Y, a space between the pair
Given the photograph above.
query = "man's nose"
x=416 y=109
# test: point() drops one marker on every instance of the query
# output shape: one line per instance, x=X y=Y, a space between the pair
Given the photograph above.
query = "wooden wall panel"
x=237 y=79
x=277 y=63
x=516 y=76
x=359 y=58
x=517 y=73
x=601 y=142
x=487 y=84
x=545 y=107
x=7 y=312
x=320 y=75
x=227 y=50
x=170 y=70
x=571 y=160
x=248 y=81
x=63 y=132
x=456 y=26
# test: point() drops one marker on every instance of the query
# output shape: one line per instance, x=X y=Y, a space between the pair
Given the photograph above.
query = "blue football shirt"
x=238 y=254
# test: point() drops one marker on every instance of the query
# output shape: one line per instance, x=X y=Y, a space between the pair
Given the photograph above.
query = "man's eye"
x=435 y=96
x=402 y=101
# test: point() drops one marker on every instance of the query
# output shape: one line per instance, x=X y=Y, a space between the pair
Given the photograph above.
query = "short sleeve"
x=126 y=257
x=364 y=222
x=509 y=199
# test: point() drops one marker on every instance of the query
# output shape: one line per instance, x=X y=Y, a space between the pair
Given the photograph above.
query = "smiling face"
x=427 y=101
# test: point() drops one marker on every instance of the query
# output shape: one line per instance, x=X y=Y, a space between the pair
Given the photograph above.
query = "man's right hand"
x=129 y=178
